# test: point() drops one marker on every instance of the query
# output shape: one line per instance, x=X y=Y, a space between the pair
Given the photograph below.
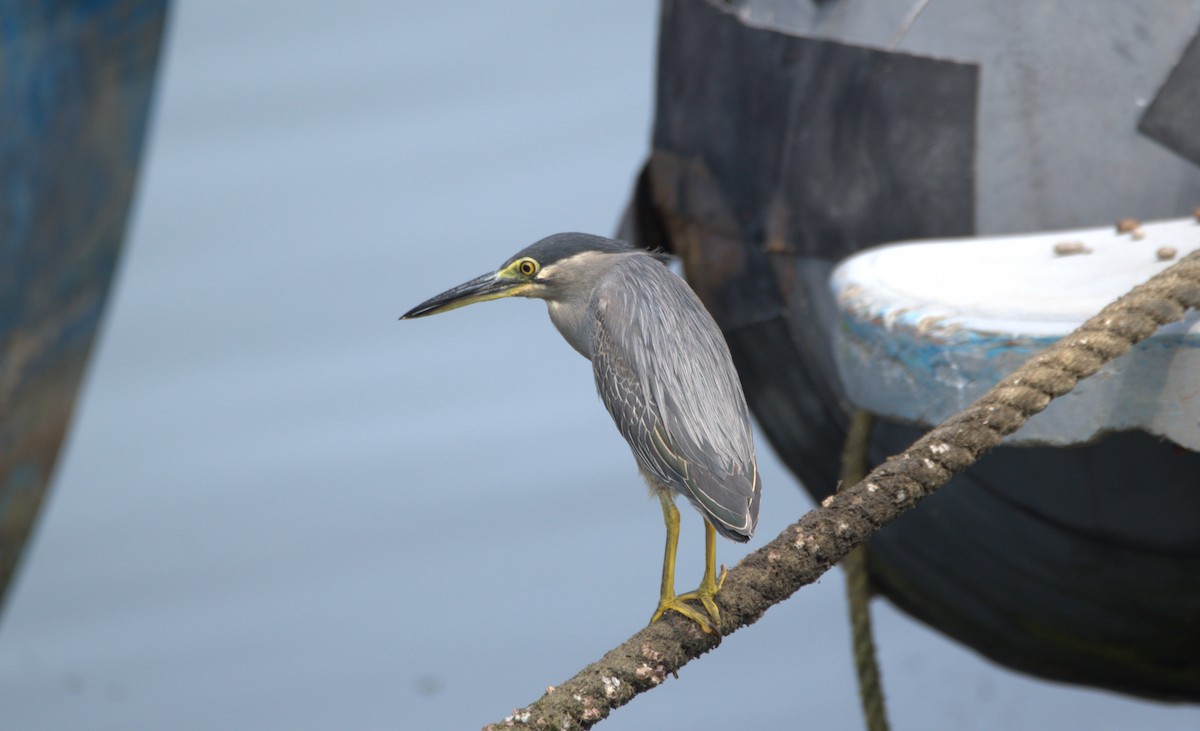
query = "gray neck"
x=572 y=320
x=571 y=306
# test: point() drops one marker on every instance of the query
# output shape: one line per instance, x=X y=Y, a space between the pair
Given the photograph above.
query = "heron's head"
x=556 y=268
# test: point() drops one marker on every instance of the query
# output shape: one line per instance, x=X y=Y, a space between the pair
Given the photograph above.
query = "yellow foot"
x=676 y=604
x=708 y=589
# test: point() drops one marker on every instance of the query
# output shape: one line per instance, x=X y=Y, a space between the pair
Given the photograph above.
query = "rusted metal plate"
x=75 y=87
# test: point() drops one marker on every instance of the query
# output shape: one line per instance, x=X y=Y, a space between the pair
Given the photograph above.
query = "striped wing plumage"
x=664 y=372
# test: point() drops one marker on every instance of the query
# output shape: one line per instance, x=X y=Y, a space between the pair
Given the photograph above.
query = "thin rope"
x=858 y=590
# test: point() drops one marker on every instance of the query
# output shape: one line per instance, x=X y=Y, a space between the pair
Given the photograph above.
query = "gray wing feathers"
x=663 y=370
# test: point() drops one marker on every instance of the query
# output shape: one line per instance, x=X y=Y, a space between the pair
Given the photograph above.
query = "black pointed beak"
x=480 y=289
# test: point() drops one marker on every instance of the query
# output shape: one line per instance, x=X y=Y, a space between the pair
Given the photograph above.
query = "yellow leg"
x=711 y=583
x=666 y=598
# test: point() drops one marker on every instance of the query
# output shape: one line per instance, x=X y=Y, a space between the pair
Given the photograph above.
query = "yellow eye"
x=528 y=267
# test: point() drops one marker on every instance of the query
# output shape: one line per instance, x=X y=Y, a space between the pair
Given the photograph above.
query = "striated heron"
x=663 y=370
